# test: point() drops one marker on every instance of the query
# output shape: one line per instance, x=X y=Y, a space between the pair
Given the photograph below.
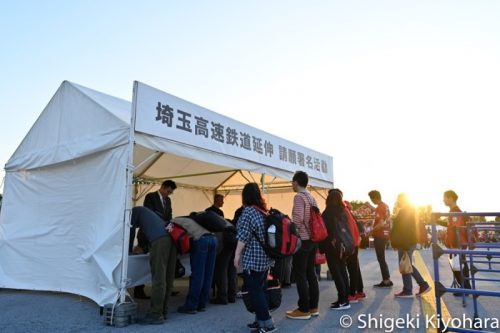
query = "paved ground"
x=28 y=311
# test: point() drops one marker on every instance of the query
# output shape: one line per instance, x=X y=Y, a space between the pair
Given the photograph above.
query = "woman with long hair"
x=251 y=256
x=335 y=219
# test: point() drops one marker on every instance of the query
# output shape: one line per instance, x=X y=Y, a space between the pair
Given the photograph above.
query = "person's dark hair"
x=336 y=190
x=451 y=194
x=169 y=183
x=301 y=178
x=251 y=195
x=375 y=195
x=218 y=195
x=335 y=202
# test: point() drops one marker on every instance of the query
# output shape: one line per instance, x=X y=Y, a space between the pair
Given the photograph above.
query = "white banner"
x=163 y=115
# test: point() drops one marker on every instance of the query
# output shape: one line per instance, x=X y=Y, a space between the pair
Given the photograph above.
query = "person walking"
x=456 y=238
x=404 y=239
x=252 y=258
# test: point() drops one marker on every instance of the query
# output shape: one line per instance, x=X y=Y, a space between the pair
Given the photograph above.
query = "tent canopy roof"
x=88 y=114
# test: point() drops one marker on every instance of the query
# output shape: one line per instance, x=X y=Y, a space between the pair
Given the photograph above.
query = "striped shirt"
x=301 y=213
x=253 y=256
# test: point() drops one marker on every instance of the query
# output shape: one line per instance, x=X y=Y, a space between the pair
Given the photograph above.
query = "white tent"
x=70 y=183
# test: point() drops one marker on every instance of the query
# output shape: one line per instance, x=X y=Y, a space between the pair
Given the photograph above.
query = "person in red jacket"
x=456 y=237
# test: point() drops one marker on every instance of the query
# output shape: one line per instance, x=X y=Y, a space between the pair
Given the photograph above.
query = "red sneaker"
x=360 y=296
x=353 y=299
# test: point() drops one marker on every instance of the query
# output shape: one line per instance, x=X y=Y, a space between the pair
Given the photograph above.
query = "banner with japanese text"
x=163 y=115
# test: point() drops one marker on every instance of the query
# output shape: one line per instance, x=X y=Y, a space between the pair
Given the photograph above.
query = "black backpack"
x=343 y=237
x=281 y=237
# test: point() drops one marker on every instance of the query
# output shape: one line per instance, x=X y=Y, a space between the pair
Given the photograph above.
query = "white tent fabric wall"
x=62 y=219
x=61 y=224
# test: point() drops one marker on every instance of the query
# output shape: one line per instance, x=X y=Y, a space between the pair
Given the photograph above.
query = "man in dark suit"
x=159 y=202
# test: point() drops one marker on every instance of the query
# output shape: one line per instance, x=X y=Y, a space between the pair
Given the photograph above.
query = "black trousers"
x=355 y=278
x=225 y=277
x=338 y=269
x=380 y=252
x=305 y=276
x=282 y=269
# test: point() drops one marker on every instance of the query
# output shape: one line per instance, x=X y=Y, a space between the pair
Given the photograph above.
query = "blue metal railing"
x=468 y=253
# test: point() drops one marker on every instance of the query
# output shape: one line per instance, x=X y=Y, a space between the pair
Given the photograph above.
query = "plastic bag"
x=405 y=266
x=455 y=263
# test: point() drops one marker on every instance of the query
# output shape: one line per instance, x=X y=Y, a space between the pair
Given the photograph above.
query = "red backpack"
x=317 y=228
x=281 y=237
x=180 y=237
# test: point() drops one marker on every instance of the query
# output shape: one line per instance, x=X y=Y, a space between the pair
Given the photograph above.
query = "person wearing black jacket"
x=404 y=238
x=159 y=201
x=225 y=278
x=336 y=223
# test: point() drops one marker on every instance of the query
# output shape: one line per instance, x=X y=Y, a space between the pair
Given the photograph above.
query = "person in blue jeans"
x=202 y=259
x=404 y=238
x=251 y=256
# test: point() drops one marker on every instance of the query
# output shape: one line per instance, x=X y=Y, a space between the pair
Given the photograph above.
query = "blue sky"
x=403 y=94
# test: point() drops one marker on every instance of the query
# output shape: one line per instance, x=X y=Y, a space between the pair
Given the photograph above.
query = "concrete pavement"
x=31 y=311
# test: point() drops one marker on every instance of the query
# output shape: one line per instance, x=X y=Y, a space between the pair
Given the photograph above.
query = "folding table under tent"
x=90 y=157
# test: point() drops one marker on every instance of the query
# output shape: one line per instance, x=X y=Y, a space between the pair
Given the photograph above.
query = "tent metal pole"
x=208 y=197
x=143 y=192
x=225 y=180
x=319 y=193
x=152 y=159
x=190 y=175
x=243 y=175
x=128 y=200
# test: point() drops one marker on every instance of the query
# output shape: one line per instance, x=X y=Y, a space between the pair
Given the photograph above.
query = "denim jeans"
x=380 y=251
x=407 y=282
x=202 y=261
x=256 y=284
x=305 y=276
